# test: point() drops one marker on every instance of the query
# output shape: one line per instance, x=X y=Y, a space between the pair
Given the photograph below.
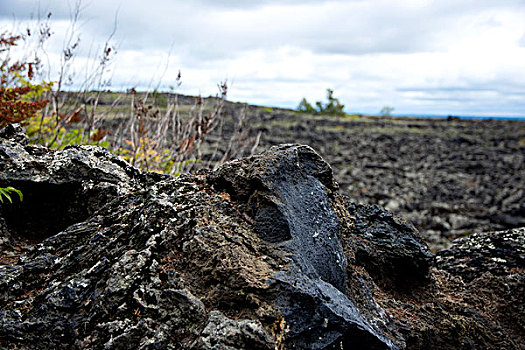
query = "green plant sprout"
x=5 y=192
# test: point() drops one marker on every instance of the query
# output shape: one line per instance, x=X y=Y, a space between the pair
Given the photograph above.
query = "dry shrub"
x=170 y=142
x=151 y=137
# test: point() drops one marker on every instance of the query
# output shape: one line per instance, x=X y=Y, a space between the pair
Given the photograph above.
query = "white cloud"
x=419 y=56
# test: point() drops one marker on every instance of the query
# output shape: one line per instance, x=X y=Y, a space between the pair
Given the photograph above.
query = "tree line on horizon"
x=332 y=107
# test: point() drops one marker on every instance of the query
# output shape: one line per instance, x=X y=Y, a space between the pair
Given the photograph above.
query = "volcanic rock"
x=263 y=253
x=449 y=178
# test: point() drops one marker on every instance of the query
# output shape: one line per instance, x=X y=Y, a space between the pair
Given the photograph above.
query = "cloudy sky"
x=464 y=57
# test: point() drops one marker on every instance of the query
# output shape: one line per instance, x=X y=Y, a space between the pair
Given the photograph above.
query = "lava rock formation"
x=263 y=253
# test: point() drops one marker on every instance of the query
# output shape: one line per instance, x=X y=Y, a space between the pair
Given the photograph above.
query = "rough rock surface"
x=261 y=253
x=448 y=177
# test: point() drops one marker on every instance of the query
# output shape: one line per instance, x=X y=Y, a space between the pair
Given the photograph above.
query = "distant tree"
x=306 y=107
x=386 y=111
x=332 y=107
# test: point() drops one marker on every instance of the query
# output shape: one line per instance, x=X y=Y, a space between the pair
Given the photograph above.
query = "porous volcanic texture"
x=262 y=253
x=449 y=178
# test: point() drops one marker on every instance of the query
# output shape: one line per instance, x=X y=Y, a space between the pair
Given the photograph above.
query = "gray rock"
x=389 y=248
x=223 y=333
x=261 y=253
x=290 y=193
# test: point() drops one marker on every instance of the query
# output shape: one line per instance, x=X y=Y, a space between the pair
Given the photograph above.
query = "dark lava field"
x=448 y=177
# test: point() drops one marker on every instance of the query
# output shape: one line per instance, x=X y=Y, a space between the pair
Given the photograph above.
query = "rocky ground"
x=262 y=253
x=450 y=178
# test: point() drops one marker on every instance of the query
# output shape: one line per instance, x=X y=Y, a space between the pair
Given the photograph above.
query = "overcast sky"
x=463 y=57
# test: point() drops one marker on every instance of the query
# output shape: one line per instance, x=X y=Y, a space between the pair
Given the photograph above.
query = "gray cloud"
x=482 y=98
x=206 y=29
x=355 y=46
x=28 y=9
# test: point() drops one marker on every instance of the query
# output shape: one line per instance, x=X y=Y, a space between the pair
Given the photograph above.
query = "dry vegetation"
x=151 y=130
